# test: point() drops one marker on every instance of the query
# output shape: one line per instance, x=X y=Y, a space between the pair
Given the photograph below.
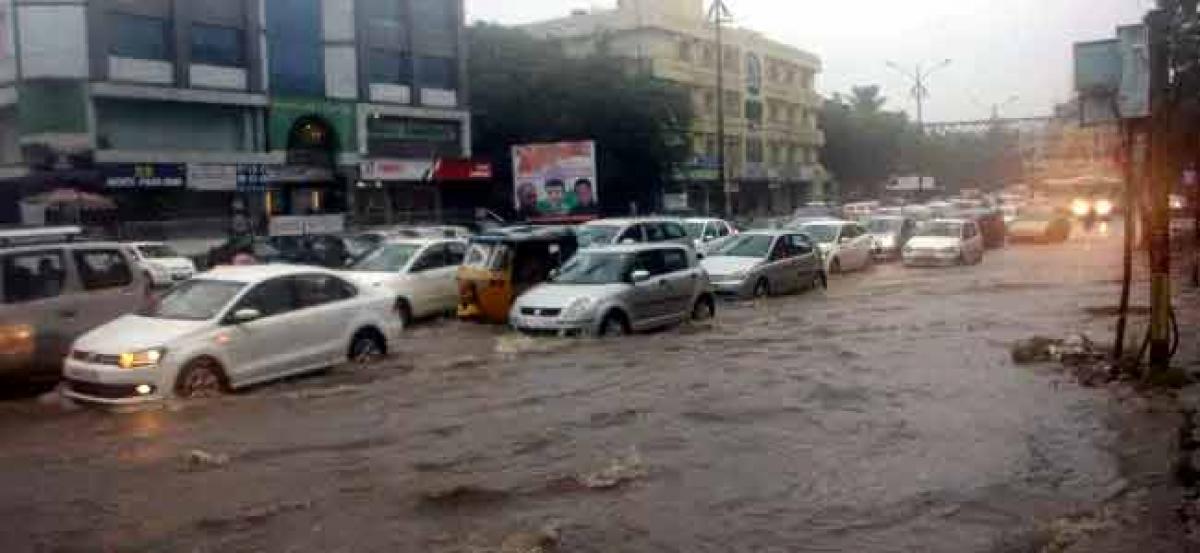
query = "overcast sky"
x=999 y=48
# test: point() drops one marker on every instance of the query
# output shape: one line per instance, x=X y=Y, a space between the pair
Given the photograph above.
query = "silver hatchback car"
x=616 y=290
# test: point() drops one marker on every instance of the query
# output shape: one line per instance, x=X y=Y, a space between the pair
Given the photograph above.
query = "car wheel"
x=762 y=288
x=404 y=312
x=366 y=347
x=613 y=325
x=200 y=379
x=704 y=309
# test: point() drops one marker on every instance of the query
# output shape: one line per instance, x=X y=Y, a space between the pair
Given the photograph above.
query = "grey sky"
x=999 y=48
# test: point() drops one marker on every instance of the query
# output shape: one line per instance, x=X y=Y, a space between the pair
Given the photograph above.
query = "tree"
x=525 y=90
x=866 y=100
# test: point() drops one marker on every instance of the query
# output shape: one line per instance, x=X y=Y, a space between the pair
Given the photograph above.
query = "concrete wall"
x=8 y=53
x=53 y=40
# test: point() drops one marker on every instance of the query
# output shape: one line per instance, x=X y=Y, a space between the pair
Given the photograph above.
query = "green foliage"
x=525 y=90
x=866 y=145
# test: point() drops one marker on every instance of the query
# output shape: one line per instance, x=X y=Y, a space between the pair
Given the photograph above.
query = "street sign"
x=144 y=175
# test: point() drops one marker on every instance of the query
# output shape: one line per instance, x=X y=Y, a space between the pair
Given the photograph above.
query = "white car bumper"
x=110 y=385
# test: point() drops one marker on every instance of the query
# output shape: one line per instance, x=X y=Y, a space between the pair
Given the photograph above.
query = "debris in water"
x=197 y=459
x=462 y=496
x=1038 y=349
x=545 y=540
x=621 y=471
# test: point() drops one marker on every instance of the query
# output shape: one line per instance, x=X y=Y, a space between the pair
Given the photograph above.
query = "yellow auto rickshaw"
x=501 y=265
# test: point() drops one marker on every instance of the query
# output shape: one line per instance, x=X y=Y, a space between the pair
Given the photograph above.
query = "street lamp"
x=919 y=77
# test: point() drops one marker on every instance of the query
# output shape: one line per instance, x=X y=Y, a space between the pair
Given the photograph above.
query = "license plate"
x=538 y=324
x=84 y=374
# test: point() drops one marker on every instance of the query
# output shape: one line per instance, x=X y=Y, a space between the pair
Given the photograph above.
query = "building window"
x=139 y=36
x=754 y=74
x=216 y=45
x=296 y=55
x=685 y=50
x=733 y=103
x=435 y=27
x=440 y=73
x=754 y=150
x=710 y=101
x=389 y=67
x=706 y=56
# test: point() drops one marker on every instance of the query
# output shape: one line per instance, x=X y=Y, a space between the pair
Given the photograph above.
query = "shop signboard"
x=395 y=169
x=301 y=225
x=212 y=177
x=554 y=180
x=144 y=175
x=253 y=177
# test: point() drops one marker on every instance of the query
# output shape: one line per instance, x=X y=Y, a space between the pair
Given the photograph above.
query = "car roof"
x=145 y=243
x=73 y=245
x=257 y=273
x=827 y=222
x=952 y=221
x=701 y=219
x=631 y=220
x=770 y=232
x=423 y=241
x=635 y=248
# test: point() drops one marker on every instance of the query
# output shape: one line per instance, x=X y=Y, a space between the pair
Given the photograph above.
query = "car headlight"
x=16 y=339
x=1104 y=208
x=137 y=359
x=1081 y=207
x=579 y=308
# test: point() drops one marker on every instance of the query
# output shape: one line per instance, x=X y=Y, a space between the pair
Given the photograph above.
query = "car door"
x=277 y=341
x=650 y=300
x=325 y=313
x=39 y=297
x=806 y=262
x=681 y=281
x=775 y=267
x=430 y=271
x=862 y=244
x=109 y=283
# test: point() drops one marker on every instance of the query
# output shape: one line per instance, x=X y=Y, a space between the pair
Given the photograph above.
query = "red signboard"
x=462 y=169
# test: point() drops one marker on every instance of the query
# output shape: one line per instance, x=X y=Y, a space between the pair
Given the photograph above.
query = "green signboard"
x=285 y=112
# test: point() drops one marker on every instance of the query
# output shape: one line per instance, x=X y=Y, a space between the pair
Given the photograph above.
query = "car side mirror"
x=640 y=276
x=243 y=316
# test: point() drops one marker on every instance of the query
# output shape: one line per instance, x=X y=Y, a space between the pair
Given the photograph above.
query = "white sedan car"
x=945 y=242
x=845 y=245
x=230 y=328
x=421 y=274
x=162 y=263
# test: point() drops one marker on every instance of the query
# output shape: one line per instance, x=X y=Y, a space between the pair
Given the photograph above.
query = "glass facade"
x=217 y=45
x=437 y=72
x=294 y=50
x=139 y=36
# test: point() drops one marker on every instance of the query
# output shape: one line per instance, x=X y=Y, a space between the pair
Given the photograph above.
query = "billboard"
x=555 y=181
x=1135 y=71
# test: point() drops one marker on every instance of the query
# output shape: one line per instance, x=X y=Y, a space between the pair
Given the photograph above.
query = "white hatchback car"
x=845 y=245
x=162 y=263
x=420 y=273
x=230 y=328
x=945 y=242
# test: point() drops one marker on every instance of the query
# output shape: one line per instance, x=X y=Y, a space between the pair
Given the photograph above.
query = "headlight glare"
x=136 y=359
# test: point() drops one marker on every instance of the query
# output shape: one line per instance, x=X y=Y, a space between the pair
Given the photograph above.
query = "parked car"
x=810 y=213
x=845 y=245
x=421 y=274
x=761 y=263
x=162 y=263
x=55 y=290
x=320 y=250
x=1042 y=225
x=614 y=290
x=890 y=233
x=991 y=223
x=705 y=232
x=230 y=328
x=859 y=211
x=604 y=232
x=946 y=242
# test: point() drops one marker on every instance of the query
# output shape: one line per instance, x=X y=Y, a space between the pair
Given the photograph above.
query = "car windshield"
x=746 y=245
x=596 y=235
x=694 y=229
x=942 y=229
x=157 y=251
x=361 y=244
x=595 y=268
x=822 y=234
x=884 y=226
x=492 y=257
x=194 y=300
x=388 y=258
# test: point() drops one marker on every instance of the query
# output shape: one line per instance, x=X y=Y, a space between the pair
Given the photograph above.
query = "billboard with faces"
x=555 y=181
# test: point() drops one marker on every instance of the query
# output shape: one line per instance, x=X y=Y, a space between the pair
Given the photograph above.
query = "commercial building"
x=772 y=137
x=178 y=109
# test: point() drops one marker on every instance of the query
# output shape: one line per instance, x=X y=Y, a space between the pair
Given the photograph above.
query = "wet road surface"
x=881 y=415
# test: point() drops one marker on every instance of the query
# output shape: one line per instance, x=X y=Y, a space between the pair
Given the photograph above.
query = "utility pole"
x=918 y=78
x=719 y=14
x=1158 y=24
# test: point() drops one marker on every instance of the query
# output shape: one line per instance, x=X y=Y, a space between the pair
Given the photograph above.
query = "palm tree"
x=866 y=100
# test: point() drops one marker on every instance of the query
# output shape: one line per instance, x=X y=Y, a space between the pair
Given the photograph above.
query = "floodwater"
x=881 y=415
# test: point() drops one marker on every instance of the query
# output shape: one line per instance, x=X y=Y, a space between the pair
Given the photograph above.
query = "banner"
x=552 y=181
x=144 y=175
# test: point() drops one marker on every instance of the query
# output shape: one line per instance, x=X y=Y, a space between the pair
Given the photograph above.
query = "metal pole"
x=718 y=12
x=1127 y=261
x=919 y=163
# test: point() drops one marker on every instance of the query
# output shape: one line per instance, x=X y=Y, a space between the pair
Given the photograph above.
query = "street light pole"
x=718 y=13
x=919 y=77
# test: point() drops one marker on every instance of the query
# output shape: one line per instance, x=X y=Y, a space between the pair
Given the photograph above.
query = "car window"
x=710 y=231
x=650 y=261
x=100 y=269
x=799 y=244
x=433 y=258
x=270 y=298
x=33 y=276
x=455 y=253
x=655 y=232
x=634 y=233
x=780 y=250
x=314 y=290
x=674 y=231
x=723 y=229
x=674 y=260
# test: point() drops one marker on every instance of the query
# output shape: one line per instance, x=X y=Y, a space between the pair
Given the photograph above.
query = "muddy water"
x=881 y=415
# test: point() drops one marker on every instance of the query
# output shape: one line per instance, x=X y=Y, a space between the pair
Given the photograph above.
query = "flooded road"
x=881 y=415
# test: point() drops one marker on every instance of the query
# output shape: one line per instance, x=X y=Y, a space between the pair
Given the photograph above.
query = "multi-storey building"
x=772 y=137
x=182 y=108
